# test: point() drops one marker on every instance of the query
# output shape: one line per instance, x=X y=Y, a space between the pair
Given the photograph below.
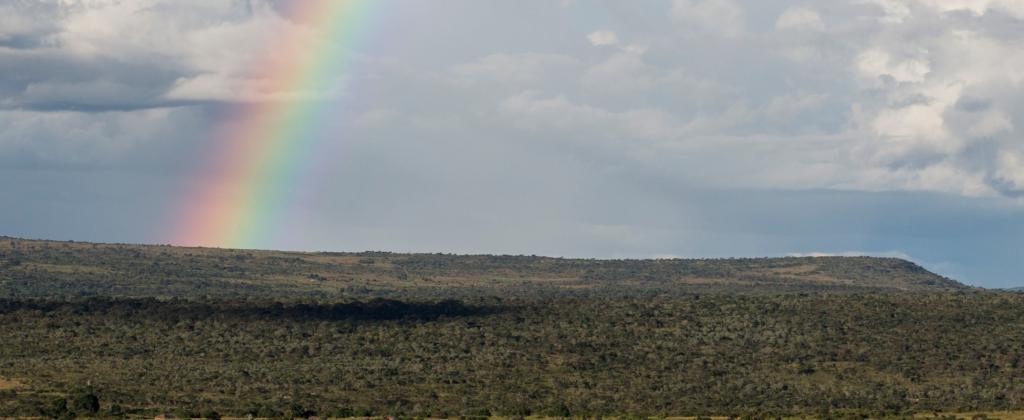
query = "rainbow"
x=251 y=182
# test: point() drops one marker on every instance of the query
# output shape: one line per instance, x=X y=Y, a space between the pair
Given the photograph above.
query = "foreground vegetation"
x=94 y=330
x=717 y=354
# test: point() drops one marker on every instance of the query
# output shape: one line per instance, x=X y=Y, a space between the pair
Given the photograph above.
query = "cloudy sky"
x=693 y=128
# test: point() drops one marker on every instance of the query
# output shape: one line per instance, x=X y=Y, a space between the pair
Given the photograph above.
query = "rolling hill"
x=113 y=330
x=34 y=268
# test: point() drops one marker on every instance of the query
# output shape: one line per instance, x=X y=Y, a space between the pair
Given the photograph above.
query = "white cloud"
x=622 y=73
x=936 y=108
x=519 y=69
x=914 y=125
x=723 y=17
x=611 y=39
x=603 y=38
x=876 y=63
x=1008 y=175
x=193 y=50
x=911 y=95
x=893 y=11
x=531 y=111
x=978 y=7
x=799 y=18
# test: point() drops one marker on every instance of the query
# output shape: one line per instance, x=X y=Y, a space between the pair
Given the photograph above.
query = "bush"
x=84 y=402
x=560 y=410
x=59 y=408
x=184 y=413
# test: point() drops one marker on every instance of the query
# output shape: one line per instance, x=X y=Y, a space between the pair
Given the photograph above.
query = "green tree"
x=560 y=410
x=59 y=408
x=85 y=402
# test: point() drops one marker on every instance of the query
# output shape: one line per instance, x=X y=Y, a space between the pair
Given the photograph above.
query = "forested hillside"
x=875 y=354
x=49 y=269
x=100 y=330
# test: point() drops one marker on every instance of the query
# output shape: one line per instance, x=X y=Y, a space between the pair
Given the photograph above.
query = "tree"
x=85 y=403
x=59 y=408
x=560 y=410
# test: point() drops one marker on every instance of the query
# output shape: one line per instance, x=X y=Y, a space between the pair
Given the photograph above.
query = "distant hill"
x=36 y=268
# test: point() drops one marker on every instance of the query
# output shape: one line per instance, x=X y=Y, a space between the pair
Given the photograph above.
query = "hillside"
x=758 y=356
x=33 y=268
x=148 y=330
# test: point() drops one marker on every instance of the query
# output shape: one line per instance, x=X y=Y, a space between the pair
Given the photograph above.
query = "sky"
x=607 y=129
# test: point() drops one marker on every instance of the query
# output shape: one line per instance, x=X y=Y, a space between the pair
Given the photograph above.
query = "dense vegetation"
x=66 y=269
x=115 y=330
x=717 y=354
